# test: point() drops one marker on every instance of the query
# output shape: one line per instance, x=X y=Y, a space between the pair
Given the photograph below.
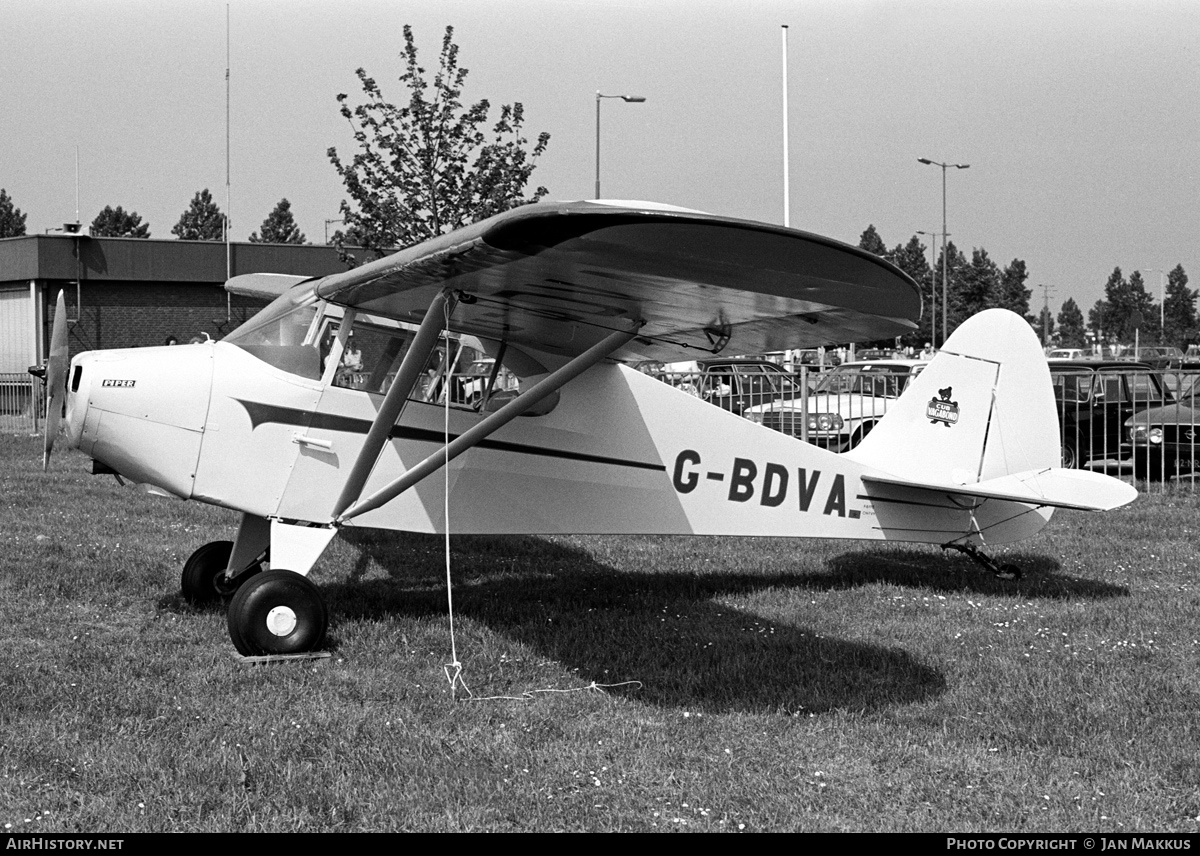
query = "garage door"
x=16 y=330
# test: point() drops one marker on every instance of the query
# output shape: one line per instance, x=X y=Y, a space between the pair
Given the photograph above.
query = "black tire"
x=277 y=612
x=201 y=571
x=1148 y=465
x=1008 y=572
x=1070 y=457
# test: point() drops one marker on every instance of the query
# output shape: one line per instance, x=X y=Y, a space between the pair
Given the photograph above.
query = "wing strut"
x=411 y=366
x=548 y=385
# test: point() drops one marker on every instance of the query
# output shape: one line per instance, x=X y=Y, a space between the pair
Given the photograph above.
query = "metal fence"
x=22 y=403
x=1133 y=423
x=1130 y=423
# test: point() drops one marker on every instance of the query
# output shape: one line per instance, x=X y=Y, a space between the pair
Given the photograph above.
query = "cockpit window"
x=276 y=335
x=284 y=321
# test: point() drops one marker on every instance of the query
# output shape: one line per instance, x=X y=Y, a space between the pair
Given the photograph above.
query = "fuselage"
x=268 y=422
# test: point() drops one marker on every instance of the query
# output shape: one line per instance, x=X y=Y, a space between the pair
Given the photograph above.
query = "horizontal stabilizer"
x=1082 y=490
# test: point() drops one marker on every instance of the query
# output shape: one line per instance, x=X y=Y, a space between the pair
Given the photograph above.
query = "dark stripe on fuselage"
x=261 y=414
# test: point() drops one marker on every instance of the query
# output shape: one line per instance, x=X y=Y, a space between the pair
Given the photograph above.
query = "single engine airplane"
x=332 y=408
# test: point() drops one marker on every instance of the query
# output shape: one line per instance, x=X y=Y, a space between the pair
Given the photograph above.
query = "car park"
x=1095 y=398
x=846 y=404
x=1155 y=356
x=731 y=383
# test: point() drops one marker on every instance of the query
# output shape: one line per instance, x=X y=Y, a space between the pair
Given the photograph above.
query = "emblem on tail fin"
x=942 y=409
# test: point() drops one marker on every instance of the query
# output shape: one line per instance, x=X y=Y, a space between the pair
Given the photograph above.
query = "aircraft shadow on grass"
x=670 y=630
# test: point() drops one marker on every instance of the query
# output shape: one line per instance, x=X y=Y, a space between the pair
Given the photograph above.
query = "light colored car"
x=1065 y=354
x=846 y=405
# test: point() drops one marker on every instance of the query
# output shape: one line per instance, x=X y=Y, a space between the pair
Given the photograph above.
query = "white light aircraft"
x=330 y=407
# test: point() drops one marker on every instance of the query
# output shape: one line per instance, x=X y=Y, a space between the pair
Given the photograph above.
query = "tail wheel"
x=203 y=571
x=277 y=612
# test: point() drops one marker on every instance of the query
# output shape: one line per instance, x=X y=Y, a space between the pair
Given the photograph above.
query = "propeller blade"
x=56 y=377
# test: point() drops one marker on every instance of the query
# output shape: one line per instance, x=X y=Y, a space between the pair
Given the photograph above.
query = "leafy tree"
x=1071 y=331
x=955 y=262
x=1144 y=317
x=1012 y=293
x=12 y=221
x=279 y=227
x=975 y=287
x=872 y=243
x=1095 y=321
x=119 y=223
x=1044 y=326
x=912 y=258
x=1179 y=309
x=202 y=221
x=429 y=167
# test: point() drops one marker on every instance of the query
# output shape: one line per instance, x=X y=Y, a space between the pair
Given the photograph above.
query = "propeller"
x=56 y=377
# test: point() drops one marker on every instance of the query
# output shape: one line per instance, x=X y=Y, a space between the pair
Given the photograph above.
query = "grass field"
x=757 y=685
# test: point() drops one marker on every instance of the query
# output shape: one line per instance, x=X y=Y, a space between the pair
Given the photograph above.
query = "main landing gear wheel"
x=203 y=571
x=277 y=612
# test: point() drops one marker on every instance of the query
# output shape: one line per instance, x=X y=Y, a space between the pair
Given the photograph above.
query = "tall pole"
x=629 y=99
x=228 y=253
x=932 y=286
x=597 y=144
x=945 y=241
x=787 y=194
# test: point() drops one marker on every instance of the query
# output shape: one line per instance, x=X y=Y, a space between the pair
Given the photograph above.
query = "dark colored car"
x=1156 y=356
x=732 y=383
x=1095 y=399
x=1166 y=440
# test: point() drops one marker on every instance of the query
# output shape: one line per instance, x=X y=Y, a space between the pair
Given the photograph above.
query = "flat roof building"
x=131 y=292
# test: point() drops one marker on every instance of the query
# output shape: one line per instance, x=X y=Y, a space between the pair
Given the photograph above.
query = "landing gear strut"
x=1002 y=572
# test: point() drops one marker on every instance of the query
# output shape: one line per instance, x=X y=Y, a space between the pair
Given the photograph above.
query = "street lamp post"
x=630 y=99
x=945 y=235
x=932 y=286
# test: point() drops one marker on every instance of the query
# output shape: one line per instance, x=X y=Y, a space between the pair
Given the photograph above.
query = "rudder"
x=984 y=408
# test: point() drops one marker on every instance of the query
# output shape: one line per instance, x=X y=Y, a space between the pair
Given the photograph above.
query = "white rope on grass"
x=454 y=669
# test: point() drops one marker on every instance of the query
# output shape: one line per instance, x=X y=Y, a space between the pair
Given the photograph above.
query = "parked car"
x=1095 y=398
x=846 y=404
x=1155 y=356
x=1066 y=354
x=732 y=383
x=1165 y=440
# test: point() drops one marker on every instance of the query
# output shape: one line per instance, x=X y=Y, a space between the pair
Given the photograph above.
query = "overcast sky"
x=1078 y=119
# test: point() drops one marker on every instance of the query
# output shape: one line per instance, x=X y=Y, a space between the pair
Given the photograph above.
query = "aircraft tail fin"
x=983 y=409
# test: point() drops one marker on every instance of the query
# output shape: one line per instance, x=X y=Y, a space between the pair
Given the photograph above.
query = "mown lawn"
x=608 y=683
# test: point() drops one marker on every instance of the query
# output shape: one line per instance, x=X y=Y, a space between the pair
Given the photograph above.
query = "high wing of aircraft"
x=335 y=405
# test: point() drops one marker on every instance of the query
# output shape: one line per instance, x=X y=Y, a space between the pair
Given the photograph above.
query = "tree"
x=119 y=223
x=1071 y=331
x=1179 y=309
x=12 y=221
x=1095 y=321
x=1045 y=326
x=872 y=243
x=1012 y=293
x=912 y=258
x=976 y=286
x=429 y=167
x=202 y=221
x=279 y=227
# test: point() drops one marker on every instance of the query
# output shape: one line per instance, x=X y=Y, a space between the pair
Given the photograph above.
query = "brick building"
x=130 y=292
